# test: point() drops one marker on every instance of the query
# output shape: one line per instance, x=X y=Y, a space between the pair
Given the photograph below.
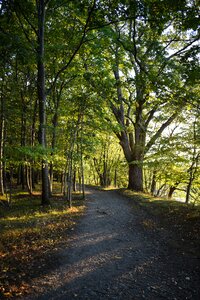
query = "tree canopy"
x=100 y=92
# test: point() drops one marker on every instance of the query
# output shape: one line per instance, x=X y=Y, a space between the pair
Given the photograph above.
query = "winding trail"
x=111 y=255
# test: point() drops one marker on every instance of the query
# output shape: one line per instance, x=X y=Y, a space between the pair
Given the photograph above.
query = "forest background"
x=100 y=92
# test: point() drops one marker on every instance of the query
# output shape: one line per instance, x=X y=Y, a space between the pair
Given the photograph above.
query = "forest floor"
x=125 y=246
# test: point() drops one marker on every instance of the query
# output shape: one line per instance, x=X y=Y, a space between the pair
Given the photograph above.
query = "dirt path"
x=112 y=256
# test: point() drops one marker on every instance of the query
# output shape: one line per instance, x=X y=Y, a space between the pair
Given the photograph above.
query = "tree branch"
x=24 y=31
x=151 y=114
x=176 y=54
x=26 y=18
x=78 y=46
x=160 y=130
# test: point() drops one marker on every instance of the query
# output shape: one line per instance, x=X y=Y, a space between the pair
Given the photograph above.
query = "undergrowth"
x=182 y=220
x=30 y=235
x=161 y=206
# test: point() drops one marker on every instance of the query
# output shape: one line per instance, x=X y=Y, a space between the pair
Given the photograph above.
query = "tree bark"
x=81 y=161
x=171 y=191
x=2 y=123
x=42 y=99
x=135 y=177
x=74 y=180
x=187 y=199
x=23 y=141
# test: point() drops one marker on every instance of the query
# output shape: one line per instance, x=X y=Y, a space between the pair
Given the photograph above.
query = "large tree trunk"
x=134 y=157
x=42 y=99
x=134 y=119
x=133 y=143
x=135 y=180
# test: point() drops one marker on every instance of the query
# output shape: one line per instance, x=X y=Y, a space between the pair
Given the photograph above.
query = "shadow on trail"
x=104 y=274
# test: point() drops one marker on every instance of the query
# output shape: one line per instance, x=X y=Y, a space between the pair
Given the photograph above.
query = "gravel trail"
x=112 y=255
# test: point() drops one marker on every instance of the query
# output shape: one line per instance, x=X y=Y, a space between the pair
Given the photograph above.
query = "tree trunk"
x=69 y=181
x=22 y=176
x=1 y=149
x=159 y=191
x=194 y=164
x=29 y=179
x=115 y=178
x=53 y=144
x=33 y=131
x=135 y=177
x=153 y=183
x=74 y=180
x=187 y=199
x=51 y=178
x=42 y=99
x=171 y=191
x=82 y=165
x=23 y=140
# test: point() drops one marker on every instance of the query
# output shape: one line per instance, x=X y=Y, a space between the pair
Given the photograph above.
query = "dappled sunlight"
x=106 y=261
x=88 y=239
x=28 y=237
x=39 y=214
x=111 y=248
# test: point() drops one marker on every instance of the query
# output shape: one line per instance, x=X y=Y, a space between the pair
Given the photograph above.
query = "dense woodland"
x=100 y=92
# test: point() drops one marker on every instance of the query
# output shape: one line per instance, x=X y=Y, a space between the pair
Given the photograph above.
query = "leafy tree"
x=146 y=86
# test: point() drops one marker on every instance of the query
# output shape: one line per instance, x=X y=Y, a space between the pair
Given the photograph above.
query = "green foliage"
x=153 y=44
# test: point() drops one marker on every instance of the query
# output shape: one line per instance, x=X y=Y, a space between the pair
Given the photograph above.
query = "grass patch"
x=164 y=207
x=182 y=220
x=31 y=236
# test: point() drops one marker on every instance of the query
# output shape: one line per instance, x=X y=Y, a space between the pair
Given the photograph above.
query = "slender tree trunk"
x=42 y=99
x=194 y=164
x=53 y=144
x=192 y=171
x=187 y=199
x=22 y=176
x=153 y=183
x=29 y=179
x=2 y=122
x=51 y=178
x=33 y=130
x=171 y=191
x=82 y=166
x=115 y=178
x=69 y=181
x=79 y=180
x=23 y=140
x=64 y=185
x=74 y=180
